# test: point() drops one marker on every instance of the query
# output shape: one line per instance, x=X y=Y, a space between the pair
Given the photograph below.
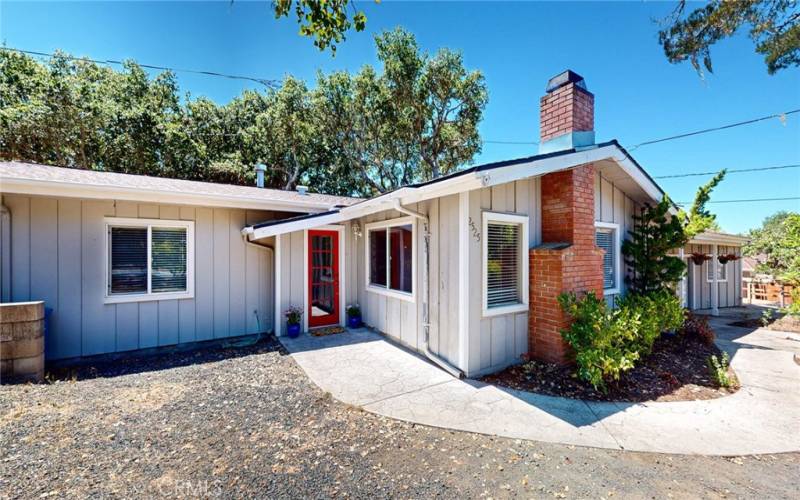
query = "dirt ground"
x=247 y=422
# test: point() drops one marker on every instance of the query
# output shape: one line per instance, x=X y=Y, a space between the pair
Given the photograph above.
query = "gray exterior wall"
x=611 y=204
x=492 y=342
x=497 y=341
x=56 y=253
x=699 y=288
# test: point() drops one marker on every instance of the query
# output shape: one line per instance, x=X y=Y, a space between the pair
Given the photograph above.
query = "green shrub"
x=718 y=369
x=659 y=311
x=606 y=341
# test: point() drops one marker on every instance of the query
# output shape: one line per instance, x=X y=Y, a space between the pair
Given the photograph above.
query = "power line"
x=744 y=201
x=512 y=142
x=734 y=171
x=263 y=81
x=715 y=129
x=681 y=136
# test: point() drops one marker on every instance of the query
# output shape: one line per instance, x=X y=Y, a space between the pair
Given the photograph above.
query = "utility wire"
x=715 y=129
x=734 y=171
x=744 y=201
x=262 y=81
x=681 y=136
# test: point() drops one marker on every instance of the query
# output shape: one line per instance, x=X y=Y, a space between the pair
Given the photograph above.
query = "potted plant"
x=354 y=316
x=293 y=315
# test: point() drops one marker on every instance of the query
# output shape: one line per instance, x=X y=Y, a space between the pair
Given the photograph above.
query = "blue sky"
x=518 y=46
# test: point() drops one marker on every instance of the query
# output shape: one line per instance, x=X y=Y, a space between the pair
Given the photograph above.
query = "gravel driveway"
x=246 y=422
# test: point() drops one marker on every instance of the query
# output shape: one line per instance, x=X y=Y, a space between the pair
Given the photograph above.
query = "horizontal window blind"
x=503 y=264
x=605 y=241
x=168 y=260
x=128 y=260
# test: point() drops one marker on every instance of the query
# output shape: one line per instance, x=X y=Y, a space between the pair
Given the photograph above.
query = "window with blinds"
x=147 y=258
x=168 y=260
x=503 y=264
x=605 y=239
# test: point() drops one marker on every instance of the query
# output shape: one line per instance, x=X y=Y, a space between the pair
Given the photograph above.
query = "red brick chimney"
x=566 y=114
x=568 y=260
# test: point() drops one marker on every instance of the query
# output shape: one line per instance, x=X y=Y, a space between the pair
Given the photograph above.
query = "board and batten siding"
x=401 y=319
x=611 y=204
x=699 y=288
x=57 y=255
x=498 y=341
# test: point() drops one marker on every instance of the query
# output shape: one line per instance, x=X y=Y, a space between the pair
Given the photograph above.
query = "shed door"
x=323 y=278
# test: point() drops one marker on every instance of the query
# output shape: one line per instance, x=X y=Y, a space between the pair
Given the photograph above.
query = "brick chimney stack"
x=568 y=260
x=566 y=114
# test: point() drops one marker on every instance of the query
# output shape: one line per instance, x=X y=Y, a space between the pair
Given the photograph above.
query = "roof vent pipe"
x=260 y=169
x=303 y=190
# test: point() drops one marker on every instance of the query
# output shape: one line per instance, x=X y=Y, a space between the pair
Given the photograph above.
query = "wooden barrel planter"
x=22 y=342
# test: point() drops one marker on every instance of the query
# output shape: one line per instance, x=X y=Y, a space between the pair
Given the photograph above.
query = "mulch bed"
x=675 y=371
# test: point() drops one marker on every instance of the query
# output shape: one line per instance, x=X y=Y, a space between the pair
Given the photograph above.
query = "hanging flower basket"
x=699 y=258
x=724 y=259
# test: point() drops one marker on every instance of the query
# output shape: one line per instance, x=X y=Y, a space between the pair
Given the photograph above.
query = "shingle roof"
x=73 y=176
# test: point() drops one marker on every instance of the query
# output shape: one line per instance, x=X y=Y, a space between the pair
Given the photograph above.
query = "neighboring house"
x=465 y=268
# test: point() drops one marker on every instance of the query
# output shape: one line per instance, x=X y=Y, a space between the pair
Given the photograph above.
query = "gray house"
x=465 y=268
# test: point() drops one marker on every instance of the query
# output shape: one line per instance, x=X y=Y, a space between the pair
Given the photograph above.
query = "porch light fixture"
x=357 y=230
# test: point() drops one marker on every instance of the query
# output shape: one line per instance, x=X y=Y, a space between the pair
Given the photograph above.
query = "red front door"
x=323 y=278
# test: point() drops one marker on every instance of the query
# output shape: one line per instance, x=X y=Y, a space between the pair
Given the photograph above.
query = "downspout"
x=246 y=232
x=5 y=252
x=426 y=326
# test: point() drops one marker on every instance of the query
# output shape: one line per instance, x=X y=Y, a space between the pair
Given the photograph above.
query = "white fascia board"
x=727 y=240
x=630 y=168
x=102 y=192
x=544 y=166
x=292 y=226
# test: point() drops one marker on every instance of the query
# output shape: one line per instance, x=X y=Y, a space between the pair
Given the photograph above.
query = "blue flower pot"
x=293 y=330
x=354 y=321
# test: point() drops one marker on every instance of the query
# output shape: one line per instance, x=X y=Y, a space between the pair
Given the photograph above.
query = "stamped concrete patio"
x=365 y=369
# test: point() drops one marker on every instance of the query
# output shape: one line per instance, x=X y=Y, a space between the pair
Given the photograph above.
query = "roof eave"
x=106 y=192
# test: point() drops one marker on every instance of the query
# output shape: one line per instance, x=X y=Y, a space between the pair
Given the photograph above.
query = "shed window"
x=505 y=269
x=149 y=260
x=722 y=271
x=390 y=257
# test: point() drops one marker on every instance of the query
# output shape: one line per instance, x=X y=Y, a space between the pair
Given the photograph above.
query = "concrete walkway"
x=364 y=369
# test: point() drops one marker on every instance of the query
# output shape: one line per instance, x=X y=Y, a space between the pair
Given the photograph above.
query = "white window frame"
x=722 y=268
x=149 y=224
x=401 y=221
x=617 y=242
x=511 y=219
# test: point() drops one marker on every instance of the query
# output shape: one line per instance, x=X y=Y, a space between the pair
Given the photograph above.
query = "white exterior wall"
x=699 y=288
x=57 y=250
x=612 y=205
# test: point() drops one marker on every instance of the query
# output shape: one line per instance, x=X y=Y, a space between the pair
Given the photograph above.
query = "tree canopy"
x=778 y=239
x=326 y=21
x=414 y=118
x=774 y=27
